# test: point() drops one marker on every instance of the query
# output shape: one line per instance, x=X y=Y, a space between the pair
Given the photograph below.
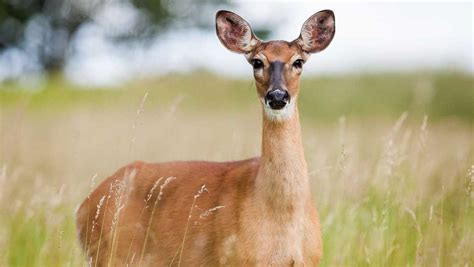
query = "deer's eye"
x=257 y=63
x=298 y=63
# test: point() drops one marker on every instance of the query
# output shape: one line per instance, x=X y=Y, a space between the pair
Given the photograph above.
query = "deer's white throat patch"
x=279 y=114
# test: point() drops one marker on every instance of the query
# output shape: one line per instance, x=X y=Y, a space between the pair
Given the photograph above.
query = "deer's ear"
x=317 y=32
x=234 y=32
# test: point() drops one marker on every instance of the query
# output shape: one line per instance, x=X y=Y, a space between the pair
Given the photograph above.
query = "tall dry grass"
x=390 y=192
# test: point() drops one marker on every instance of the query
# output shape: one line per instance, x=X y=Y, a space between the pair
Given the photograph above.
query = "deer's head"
x=277 y=65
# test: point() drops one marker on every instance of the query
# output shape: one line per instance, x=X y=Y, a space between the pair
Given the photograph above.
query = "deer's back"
x=154 y=213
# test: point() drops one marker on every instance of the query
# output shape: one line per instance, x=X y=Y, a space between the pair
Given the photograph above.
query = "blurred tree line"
x=44 y=28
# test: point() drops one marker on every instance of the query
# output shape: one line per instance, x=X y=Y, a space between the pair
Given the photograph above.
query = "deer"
x=253 y=212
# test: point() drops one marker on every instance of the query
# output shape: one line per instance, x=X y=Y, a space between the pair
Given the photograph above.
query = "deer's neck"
x=282 y=181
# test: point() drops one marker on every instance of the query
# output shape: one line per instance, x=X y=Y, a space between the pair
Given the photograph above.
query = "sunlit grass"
x=392 y=188
x=438 y=94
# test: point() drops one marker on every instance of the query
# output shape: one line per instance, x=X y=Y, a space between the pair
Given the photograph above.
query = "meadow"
x=390 y=156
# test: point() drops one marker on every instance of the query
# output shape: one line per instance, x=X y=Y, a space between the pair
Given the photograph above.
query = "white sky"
x=370 y=36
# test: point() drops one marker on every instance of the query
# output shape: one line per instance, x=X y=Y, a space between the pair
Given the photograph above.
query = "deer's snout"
x=277 y=98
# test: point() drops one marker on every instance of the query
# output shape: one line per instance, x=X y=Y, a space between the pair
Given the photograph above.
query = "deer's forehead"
x=278 y=50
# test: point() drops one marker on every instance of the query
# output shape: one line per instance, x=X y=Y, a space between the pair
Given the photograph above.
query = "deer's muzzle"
x=277 y=98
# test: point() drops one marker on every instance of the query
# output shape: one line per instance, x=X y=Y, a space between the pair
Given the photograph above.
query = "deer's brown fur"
x=255 y=212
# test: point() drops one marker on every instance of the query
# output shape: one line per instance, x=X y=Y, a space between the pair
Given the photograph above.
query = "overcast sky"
x=369 y=37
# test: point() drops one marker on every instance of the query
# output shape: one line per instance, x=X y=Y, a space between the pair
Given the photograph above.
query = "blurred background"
x=102 y=43
x=387 y=117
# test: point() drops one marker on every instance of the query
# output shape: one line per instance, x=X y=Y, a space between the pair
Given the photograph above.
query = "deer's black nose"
x=277 y=99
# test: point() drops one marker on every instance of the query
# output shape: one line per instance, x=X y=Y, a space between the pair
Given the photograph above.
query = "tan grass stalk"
x=149 y=195
x=158 y=198
x=180 y=250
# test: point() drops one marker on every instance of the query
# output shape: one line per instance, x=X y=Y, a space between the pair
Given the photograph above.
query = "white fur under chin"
x=279 y=114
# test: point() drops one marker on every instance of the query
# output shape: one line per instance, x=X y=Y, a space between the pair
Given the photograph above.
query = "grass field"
x=391 y=158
